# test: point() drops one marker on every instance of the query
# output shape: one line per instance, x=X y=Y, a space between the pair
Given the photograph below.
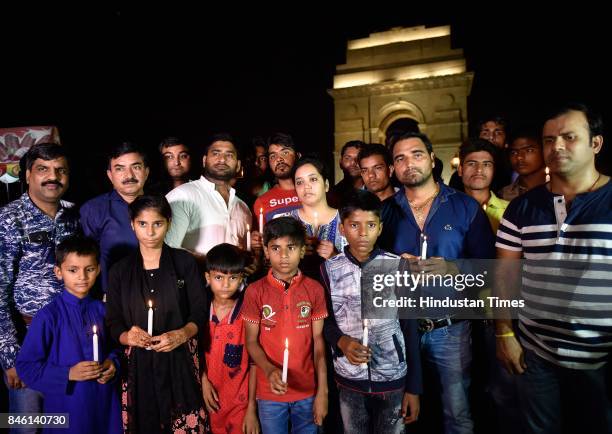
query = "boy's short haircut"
x=360 y=200
x=284 y=227
x=477 y=145
x=225 y=258
x=79 y=244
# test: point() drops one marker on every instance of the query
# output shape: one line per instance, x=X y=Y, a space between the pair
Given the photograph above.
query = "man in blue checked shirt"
x=30 y=228
x=456 y=227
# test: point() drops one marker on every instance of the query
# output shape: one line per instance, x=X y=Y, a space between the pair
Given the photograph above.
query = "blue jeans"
x=274 y=416
x=365 y=413
x=447 y=352
x=25 y=401
x=544 y=387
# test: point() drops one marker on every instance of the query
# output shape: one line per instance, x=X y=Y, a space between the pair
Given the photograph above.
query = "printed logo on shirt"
x=283 y=201
x=304 y=309
x=267 y=313
x=448 y=227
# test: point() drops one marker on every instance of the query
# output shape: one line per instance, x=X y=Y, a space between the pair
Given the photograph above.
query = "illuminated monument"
x=398 y=77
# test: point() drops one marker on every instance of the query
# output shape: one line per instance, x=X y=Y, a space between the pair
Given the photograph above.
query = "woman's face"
x=150 y=228
x=310 y=185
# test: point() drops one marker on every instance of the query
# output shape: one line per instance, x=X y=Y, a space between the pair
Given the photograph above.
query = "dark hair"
x=500 y=120
x=150 y=201
x=285 y=140
x=126 y=147
x=318 y=164
x=477 y=145
x=225 y=258
x=171 y=141
x=44 y=151
x=594 y=119
x=284 y=227
x=525 y=132
x=222 y=137
x=375 y=149
x=360 y=200
x=411 y=135
x=79 y=244
x=352 y=144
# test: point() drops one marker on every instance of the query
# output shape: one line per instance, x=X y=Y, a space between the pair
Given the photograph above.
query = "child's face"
x=150 y=228
x=223 y=285
x=361 y=229
x=284 y=255
x=78 y=273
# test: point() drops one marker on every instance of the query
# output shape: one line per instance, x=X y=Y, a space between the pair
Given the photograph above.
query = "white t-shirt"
x=201 y=219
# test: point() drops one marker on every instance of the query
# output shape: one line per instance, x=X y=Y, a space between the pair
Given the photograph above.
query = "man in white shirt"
x=207 y=212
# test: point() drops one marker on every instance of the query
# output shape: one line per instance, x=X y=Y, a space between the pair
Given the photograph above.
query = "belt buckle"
x=426 y=325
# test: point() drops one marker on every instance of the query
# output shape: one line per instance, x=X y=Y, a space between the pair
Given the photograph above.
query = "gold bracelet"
x=506 y=335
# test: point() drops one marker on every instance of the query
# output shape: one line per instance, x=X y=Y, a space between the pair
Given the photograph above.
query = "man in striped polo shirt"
x=565 y=329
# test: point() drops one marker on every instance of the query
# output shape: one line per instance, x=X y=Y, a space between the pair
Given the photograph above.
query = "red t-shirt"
x=275 y=202
x=286 y=314
x=227 y=363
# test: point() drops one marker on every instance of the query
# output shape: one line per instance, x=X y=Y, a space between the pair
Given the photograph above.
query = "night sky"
x=127 y=73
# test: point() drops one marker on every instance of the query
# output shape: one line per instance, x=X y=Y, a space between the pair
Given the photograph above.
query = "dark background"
x=142 y=73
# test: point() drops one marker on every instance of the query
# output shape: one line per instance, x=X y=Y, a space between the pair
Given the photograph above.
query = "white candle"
x=150 y=319
x=315 y=226
x=248 y=238
x=95 y=345
x=364 y=341
x=285 y=361
x=261 y=220
x=547 y=171
x=423 y=247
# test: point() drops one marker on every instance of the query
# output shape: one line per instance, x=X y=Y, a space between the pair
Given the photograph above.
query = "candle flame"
x=150 y=304
x=95 y=329
x=286 y=343
x=248 y=227
x=260 y=210
x=547 y=170
x=424 y=237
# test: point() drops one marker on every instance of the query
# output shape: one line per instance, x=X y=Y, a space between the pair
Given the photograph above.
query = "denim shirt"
x=28 y=238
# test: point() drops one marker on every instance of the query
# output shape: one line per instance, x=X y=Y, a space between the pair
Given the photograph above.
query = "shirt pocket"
x=232 y=356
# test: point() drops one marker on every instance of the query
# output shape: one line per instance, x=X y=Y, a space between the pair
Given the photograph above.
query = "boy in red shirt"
x=286 y=306
x=228 y=381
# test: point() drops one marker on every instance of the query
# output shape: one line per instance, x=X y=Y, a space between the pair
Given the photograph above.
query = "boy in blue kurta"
x=57 y=356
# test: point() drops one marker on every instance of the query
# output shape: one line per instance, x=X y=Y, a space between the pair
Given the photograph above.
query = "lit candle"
x=547 y=171
x=261 y=220
x=248 y=238
x=95 y=345
x=285 y=361
x=484 y=207
x=364 y=342
x=315 y=226
x=423 y=246
x=150 y=319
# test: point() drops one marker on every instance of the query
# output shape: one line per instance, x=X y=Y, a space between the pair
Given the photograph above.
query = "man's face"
x=375 y=173
x=349 y=163
x=526 y=156
x=48 y=179
x=176 y=161
x=361 y=229
x=221 y=161
x=261 y=158
x=281 y=160
x=412 y=163
x=477 y=170
x=128 y=174
x=567 y=147
x=494 y=133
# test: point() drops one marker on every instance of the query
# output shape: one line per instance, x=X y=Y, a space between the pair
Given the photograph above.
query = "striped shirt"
x=567 y=275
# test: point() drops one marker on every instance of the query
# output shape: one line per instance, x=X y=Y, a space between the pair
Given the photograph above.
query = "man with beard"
x=176 y=162
x=105 y=218
x=349 y=163
x=30 y=229
x=376 y=167
x=207 y=212
x=456 y=227
x=281 y=199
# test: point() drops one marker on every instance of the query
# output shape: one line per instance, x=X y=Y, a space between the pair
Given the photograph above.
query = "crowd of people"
x=233 y=302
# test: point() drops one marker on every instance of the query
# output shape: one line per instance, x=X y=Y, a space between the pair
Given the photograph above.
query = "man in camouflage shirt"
x=30 y=228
